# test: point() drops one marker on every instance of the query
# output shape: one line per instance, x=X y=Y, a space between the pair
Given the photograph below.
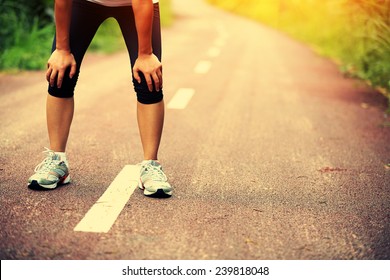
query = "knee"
x=147 y=97
x=60 y=92
x=67 y=88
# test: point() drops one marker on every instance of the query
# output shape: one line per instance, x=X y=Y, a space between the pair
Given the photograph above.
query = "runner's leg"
x=150 y=105
x=86 y=19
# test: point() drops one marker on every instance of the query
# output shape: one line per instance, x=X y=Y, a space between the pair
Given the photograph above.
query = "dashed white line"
x=202 y=67
x=181 y=98
x=105 y=211
x=220 y=42
x=214 y=52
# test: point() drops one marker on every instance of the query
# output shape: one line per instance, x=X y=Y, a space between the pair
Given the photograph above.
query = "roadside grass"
x=354 y=33
x=24 y=41
x=26 y=45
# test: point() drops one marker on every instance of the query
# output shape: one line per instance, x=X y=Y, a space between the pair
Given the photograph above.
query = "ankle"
x=63 y=157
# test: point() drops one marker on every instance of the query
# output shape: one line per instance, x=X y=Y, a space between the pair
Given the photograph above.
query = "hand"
x=151 y=67
x=58 y=62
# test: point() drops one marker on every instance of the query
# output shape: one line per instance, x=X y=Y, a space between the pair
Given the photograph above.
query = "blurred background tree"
x=25 y=24
x=354 y=33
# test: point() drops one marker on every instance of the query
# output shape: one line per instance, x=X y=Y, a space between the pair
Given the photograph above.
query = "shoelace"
x=47 y=164
x=155 y=172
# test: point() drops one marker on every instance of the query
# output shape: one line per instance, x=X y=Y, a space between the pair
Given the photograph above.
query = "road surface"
x=272 y=152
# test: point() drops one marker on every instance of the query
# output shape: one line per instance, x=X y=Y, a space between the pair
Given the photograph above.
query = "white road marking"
x=220 y=42
x=202 y=67
x=105 y=211
x=213 y=52
x=222 y=32
x=181 y=98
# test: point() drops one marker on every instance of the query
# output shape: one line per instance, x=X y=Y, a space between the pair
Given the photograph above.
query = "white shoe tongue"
x=56 y=157
x=151 y=162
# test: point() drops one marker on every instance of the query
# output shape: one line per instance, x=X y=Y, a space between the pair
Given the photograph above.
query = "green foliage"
x=26 y=53
x=166 y=15
x=26 y=34
x=354 y=32
x=109 y=39
x=371 y=20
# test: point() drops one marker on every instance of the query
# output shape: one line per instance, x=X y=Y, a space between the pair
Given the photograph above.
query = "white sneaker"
x=153 y=180
x=50 y=173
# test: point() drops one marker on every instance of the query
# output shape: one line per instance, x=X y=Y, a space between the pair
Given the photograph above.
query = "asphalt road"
x=276 y=156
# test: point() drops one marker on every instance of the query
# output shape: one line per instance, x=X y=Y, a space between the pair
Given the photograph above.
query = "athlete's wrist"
x=145 y=52
x=63 y=50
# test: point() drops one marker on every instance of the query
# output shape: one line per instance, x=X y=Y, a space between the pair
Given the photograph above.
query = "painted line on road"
x=202 y=67
x=106 y=210
x=181 y=99
x=220 y=42
x=222 y=31
x=213 y=51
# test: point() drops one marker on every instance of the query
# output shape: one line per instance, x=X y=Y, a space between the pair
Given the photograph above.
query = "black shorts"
x=86 y=19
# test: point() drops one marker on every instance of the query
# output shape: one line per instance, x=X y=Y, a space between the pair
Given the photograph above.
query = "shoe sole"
x=34 y=185
x=160 y=193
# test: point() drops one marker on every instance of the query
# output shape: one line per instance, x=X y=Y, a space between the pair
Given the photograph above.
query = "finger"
x=136 y=76
x=48 y=73
x=53 y=76
x=60 y=78
x=149 y=82
x=160 y=77
x=72 y=70
x=156 y=81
